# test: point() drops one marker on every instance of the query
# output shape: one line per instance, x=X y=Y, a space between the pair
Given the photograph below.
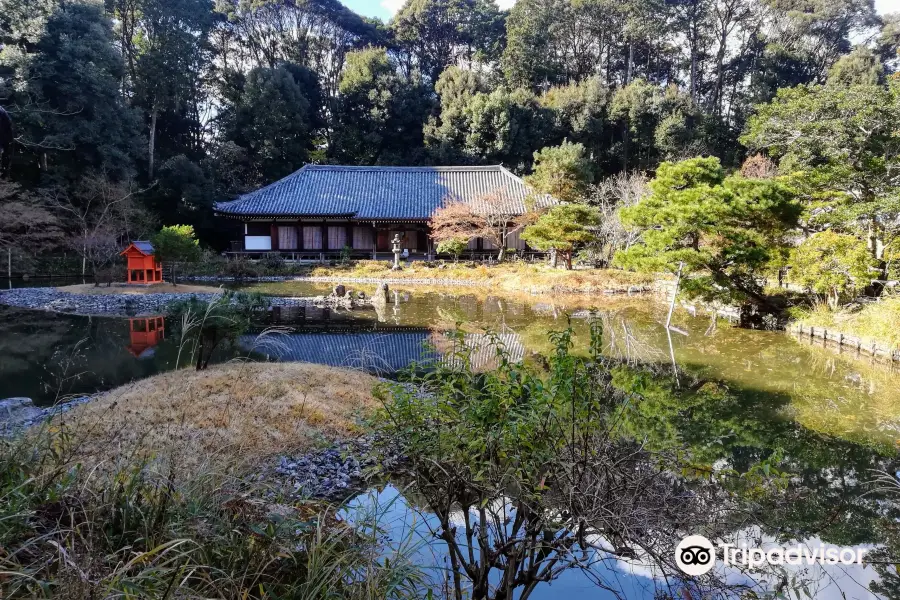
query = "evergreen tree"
x=562 y=228
x=840 y=142
x=167 y=55
x=272 y=119
x=724 y=231
x=73 y=116
x=439 y=33
x=380 y=113
x=561 y=171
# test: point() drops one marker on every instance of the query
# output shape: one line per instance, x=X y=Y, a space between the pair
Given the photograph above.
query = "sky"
x=385 y=9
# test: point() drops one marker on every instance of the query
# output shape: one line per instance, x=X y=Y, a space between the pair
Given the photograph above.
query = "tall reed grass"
x=66 y=532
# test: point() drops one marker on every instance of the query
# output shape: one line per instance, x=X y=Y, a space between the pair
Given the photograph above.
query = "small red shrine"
x=144 y=334
x=143 y=268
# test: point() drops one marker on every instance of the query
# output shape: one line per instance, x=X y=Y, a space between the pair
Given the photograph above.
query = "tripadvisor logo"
x=696 y=555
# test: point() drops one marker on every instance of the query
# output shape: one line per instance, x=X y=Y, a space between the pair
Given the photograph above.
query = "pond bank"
x=843 y=340
x=52 y=299
x=509 y=277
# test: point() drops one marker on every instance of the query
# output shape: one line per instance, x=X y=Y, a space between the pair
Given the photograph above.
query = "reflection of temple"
x=382 y=351
x=145 y=333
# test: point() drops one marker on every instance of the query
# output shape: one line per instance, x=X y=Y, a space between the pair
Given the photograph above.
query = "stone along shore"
x=55 y=300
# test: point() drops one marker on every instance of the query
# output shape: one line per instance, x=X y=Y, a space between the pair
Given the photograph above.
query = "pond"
x=46 y=355
x=831 y=420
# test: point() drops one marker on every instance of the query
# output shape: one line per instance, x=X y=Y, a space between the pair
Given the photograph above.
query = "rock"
x=332 y=473
x=17 y=412
x=381 y=294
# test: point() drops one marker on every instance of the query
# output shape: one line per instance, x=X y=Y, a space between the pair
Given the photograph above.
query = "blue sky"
x=385 y=9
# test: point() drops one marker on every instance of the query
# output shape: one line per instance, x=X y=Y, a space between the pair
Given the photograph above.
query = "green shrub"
x=833 y=265
x=516 y=441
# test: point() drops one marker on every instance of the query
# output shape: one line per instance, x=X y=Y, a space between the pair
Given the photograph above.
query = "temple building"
x=321 y=209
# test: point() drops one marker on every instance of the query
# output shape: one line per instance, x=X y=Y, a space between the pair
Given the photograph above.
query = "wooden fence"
x=860 y=345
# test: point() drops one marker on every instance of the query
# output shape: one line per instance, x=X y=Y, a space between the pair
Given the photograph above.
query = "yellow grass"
x=523 y=277
x=227 y=417
x=879 y=321
x=121 y=288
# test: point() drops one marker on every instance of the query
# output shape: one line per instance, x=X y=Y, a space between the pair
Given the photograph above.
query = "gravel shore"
x=55 y=300
x=333 y=473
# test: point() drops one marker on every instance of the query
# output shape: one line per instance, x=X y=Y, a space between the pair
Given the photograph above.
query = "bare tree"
x=99 y=248
x=27 y=228
x=759 y=167
x=610 y=196
x=103 y=217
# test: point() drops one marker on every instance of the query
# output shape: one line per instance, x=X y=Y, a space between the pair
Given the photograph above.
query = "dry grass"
x=121 y=288
x=522 y=277
x=229 y=416
x=879 y=321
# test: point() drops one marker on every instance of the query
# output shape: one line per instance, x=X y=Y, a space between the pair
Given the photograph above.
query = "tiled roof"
x=380 y=353
x=374 y=193
x=143 y=246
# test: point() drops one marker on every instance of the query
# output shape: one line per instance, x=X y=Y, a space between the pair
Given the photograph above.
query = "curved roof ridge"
x=447 y=168
x=381 y=192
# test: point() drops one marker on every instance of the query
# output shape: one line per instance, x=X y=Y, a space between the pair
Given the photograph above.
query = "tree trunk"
x=174 y=277
x=720 y=78
x=199 y=364
x=152 y=144
x=630 y=70
x=693 y=71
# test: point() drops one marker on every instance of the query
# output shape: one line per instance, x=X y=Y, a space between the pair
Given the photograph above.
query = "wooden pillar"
x=301 y=245
x=324 y=237
x=349 y=235
x=274 y=236
x=374 y=241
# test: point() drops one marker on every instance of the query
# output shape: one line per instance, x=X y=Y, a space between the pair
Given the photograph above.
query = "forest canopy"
x=180 y=103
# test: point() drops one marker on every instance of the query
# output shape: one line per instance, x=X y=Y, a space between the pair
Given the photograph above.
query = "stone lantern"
x=396 y=242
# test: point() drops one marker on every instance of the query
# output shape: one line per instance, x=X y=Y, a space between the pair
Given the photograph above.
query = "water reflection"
x=832 y=393
x=405 y=520
x=384 y=352
x=823 y=424
x=145 y=333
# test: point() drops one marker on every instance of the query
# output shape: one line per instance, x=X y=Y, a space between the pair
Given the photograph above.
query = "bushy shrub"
x=273 y=263
x=833 y=265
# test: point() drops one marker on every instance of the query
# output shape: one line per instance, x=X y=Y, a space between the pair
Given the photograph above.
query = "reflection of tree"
x=622 y=340
x=48 y=355
x=826 y=492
